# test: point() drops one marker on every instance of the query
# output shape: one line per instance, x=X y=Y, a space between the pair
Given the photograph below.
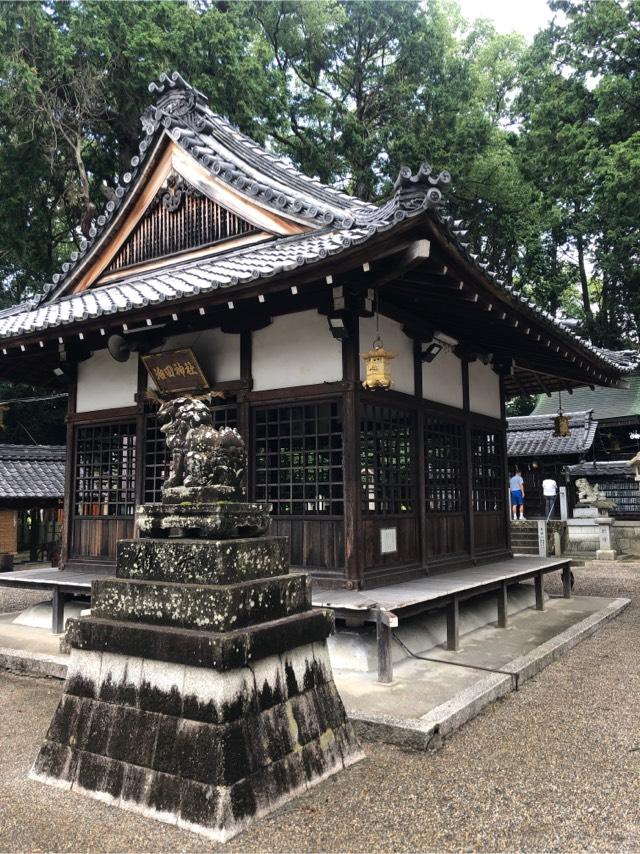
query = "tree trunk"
x=584 y=281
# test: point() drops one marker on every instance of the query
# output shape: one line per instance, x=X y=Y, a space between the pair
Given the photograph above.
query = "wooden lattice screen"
x=386 y=460
x=105 y=470
x=489 y=479
x=298 y=459
x=444 y=445
x=179 y=218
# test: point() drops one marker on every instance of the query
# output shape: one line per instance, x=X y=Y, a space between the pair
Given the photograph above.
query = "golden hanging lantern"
x=377 y=371
x=561 y=425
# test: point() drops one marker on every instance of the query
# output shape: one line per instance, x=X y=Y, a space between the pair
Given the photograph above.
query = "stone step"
x=216 y=650
x=213 y=754
x=203 y=561
x=194 y=693
x=216 y=608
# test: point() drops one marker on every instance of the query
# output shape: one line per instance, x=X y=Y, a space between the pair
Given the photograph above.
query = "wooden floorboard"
x=48 y=577
x=423 y=590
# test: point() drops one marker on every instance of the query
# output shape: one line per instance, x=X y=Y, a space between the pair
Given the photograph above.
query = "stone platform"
x=199 y=691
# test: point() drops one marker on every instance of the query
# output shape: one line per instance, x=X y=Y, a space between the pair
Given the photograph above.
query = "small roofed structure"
x=31 y=497
x=617 y=410
x=533 y=436
x=534 y=448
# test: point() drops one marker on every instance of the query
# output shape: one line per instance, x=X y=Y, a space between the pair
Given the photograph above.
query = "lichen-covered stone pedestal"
x=199 y=691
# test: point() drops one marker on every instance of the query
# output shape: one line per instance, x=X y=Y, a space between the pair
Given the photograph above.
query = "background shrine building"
x=219 y=267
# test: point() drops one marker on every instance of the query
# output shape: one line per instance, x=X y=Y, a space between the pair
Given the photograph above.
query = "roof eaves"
x=455 y=233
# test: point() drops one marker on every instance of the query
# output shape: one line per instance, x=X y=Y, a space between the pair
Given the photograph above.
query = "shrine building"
x=219 y=270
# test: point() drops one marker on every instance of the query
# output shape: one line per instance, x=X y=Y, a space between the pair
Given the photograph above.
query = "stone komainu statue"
x=589 y=493
x=203 y=458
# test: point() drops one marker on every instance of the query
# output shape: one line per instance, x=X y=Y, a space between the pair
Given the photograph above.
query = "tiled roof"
x=182 y=112
x=606 y=403
x=32 y=471
x=532 y=435
x=340 y=221
x=185 y=280
x=609 y=468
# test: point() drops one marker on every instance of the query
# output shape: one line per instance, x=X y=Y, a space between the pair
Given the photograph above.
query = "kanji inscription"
x=176 y=370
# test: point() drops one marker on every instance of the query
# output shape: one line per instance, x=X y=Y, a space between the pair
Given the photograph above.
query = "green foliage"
x=542 y=141
x=522 y=405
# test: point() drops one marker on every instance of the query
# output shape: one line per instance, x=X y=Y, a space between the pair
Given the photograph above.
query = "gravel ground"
x=554 y=766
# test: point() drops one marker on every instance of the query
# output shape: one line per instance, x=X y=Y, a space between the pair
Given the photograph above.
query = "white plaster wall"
x=296 y=349
x=217 y=352
x=104 y=383
x=442 y=380
x=484 y=390
x=394 y=339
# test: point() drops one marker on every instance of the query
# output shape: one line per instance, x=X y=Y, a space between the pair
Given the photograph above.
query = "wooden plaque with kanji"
x=175 y=371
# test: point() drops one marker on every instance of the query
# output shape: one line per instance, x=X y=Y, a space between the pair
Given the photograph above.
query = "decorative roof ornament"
x=412 y=194
x=179 y=101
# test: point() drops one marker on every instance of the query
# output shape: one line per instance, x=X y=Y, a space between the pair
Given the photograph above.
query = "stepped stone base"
x=199 y=691
x=206 y=751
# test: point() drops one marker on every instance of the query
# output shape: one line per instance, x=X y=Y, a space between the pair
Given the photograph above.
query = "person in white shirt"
x=549 y=490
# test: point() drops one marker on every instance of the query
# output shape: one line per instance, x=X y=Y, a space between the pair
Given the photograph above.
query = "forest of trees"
x=542 y=140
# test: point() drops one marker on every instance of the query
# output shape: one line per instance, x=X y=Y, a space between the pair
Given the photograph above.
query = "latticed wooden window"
x=104 y=478
x=157 y=458
x=298 y=459
x=489 y=482
x=386 y=460
x=444 y=457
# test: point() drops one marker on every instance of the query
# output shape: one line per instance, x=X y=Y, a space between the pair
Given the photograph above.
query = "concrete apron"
x=427 y=700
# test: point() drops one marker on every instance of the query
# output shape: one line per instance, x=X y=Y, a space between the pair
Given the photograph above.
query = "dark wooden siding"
x=96 y=537
x=314 y=544
x=446 y=535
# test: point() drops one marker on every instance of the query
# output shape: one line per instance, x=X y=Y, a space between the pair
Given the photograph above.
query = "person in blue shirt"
x=516 y=485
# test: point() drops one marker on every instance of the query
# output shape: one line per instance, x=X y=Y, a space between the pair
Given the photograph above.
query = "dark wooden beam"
x=351 y=453
x=69 y=473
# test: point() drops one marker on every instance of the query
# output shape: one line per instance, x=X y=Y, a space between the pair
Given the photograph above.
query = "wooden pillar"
x=244 y=412
x=471 y=545
x=69 y=471
x=34 y=538
x=420 y=457
x=351 y=455
x=57 y=611
x=566 y=581
x=539 y=586
x=503 y=617
x=505 y=462
x=140 y=439
x=385 y=660
x=453 y=624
